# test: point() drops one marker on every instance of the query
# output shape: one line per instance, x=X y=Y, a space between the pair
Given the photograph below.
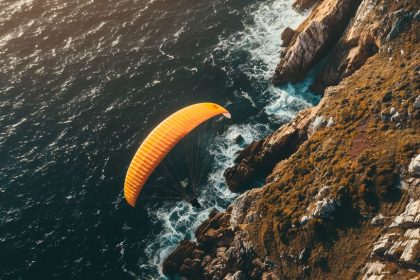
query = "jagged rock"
x=239 y=140
x=410 y=217
x=414 y=167
x=286 y=36
x=374 y=271
x=242 y=210
x=323 y=207
x=411 y=246
x=385 y=243
x=301 y=5
x=216 y=269
x=190 y=268
x=402 y=20
x=175 y=260
x=240 y=253
x=396 y=246
x=373 y=25
x=318 y=33
x=215 y=231
x=261 y=156
x=377 y=220
x=407 y=245
x=318 y=123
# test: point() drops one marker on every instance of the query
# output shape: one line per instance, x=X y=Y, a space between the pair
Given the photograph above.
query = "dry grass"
x=361 y=157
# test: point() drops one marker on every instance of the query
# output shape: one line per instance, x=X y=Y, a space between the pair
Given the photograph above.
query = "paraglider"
x=161 y=141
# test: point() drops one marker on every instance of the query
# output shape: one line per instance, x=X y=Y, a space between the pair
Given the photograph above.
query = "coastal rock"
x=317 y=123
x=385 y=243
x=399 y=247
x=374 y=24
x=315 y=36
x=176 y=259
x=215 y=231
x=414 y=167
x=286 y=36
x=374 y=271
x=222 y=250
x=243 y=209
x=323 y=207
x=261 y=156
x=410 y=217
x=301 y=5
x=377 y=220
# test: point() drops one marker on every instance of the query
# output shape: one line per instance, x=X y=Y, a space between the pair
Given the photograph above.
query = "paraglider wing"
x=160 y=142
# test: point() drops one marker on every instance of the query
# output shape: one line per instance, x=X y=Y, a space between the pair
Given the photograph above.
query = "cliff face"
x=342 y=194
x=375 y=23
x=367 y=25
x=313 y=38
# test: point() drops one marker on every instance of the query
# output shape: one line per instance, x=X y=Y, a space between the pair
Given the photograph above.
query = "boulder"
x=173 y=263
x=243 y=209
x=414 y=167
x=215 y=231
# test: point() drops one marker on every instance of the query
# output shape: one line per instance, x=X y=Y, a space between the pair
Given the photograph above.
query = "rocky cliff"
x=342 y=194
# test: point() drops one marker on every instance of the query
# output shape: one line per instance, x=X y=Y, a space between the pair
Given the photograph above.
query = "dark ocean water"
x=82 y=83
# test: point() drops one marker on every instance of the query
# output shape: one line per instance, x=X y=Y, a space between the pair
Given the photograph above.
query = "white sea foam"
x=261 y=36
x=181 y=219
x=261 y=40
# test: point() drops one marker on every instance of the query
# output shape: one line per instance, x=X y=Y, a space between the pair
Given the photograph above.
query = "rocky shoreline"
x=342 y=192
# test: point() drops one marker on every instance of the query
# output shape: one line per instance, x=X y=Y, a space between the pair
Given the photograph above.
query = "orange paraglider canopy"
x=161 y=141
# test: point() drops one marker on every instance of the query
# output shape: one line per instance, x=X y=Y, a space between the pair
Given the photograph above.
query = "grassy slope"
x=361 y=153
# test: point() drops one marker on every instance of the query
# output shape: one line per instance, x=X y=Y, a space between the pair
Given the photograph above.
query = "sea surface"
x=83 y=82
